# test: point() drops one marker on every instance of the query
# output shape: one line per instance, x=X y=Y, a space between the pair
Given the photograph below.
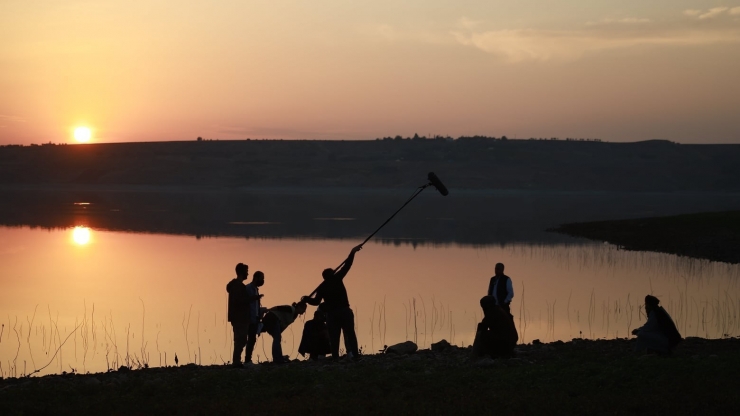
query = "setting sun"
x=81 y=235
x=83 y=134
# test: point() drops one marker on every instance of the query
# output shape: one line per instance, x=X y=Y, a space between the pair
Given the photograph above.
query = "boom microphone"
x=434 y=181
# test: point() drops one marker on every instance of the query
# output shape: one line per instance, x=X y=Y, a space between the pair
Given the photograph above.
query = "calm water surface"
x=81 y=299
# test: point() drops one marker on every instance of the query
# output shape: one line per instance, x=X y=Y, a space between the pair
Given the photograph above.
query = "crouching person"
x=496 y=335
x=275 y=321
x=659 y=335
x=315 y=339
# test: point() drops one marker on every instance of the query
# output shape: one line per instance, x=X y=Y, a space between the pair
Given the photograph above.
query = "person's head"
x=499 y=269
x=258 y=278
x=651 y=303
x=491 y=310
x=300 y=308
x=327 y=273
x=242 y=270
x=487 y=302
x=319 y=316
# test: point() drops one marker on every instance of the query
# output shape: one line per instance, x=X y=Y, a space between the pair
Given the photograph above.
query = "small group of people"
x=321 y=335
x=496 y=335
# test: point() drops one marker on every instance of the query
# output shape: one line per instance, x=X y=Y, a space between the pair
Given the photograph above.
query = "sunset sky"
x=145 y=70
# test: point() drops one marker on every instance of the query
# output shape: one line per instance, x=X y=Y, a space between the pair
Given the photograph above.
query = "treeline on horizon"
x=468 y=162
x=416 y=137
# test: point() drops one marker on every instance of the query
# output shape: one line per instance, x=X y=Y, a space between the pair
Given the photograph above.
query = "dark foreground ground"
x=581 y=377
x=710 y=235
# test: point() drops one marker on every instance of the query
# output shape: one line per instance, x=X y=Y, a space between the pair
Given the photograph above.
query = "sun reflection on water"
x=81 y=235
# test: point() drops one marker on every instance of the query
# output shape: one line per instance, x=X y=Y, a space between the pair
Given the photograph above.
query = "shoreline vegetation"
x=575 y=377
x=711 y=236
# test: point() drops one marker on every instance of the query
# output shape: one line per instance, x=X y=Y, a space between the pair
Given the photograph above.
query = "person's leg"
x=251 y=340
x=272 y=326
x=650 y=341
x=479 y=348
x=240 y=340
x=335 y=329
x=348 y=328
x=277 y=349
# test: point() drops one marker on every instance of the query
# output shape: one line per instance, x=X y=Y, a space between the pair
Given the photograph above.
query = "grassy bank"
x=594 y=377
x=713 y=235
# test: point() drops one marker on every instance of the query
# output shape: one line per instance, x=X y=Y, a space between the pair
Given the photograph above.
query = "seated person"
x=496 y=335
x=275 y=321
x=315 y=339
x=659 y=334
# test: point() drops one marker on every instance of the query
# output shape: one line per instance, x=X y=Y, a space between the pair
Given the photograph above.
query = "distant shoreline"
x=296 y=190
x=476 y=217
x=709 y=235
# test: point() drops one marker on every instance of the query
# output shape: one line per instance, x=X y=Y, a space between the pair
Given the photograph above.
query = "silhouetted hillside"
x=471 y=163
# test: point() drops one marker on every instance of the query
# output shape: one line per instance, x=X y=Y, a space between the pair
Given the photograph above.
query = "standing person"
x=275 y=321
x=501 y=289
x=255 y=312
x=339 y=317
x=659 y=334
x=238 y=312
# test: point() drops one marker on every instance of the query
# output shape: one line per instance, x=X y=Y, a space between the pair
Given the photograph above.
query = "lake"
x=94 y=280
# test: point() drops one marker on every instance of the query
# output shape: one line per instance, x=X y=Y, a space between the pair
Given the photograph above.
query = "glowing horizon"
x=138 y=71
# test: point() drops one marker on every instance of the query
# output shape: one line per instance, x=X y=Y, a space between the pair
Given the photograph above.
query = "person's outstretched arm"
x=339 y=275
x=314 y=301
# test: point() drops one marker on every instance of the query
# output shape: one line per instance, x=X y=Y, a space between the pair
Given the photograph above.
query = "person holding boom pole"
x=339 y=316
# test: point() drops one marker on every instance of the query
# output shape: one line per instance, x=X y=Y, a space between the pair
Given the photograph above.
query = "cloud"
x=521 y=45
x=12 y=119
x=281 y=132
x=713 y=12
x=624 y=21
x=387 y=32
x=468 y=23
x=735 y=11
x=692 y=12
x=390 y=33
x=5 y=120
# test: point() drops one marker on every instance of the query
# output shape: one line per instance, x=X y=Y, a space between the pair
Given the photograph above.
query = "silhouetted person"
x=315 y=339
x=275 y=321
x=255 y=311
x=238 y=312
x=339 y=317
x=501 y=289
x=496 y=335
x=659 y=334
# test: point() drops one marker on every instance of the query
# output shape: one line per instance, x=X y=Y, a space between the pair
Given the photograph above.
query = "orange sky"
x=176 y=70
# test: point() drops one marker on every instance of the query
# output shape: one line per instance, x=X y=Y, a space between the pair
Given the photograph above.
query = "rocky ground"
x=580 y=376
